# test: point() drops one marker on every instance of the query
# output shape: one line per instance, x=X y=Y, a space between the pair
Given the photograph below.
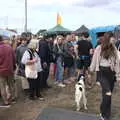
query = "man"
x=7 y=67
x=84 y=53
x=44 y=54
x=21 y=68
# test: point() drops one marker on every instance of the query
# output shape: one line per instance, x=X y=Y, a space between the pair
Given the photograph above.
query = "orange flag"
x=59 y=19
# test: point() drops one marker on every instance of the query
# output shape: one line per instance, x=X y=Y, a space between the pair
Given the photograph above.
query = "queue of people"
x=32 y=59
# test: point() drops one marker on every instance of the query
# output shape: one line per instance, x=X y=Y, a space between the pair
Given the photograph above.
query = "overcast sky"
x=42 y=13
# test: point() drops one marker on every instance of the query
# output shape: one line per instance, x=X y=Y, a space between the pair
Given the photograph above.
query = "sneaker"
x=56 y=82
x=41 y=98
x=5 y=105
x=61 y=85
x=67 y=82
x=13 y=101
x=101 y=117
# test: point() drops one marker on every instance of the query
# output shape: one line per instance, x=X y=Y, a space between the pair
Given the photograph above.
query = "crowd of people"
x=30 y=58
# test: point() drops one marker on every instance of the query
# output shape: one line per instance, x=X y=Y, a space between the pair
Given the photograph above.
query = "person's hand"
x=98 y=83
x=44 y=65
x=35 y=60
x=91 y=51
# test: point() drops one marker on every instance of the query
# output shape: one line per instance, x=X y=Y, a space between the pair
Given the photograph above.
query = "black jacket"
x=19 y=53
x=44 y=51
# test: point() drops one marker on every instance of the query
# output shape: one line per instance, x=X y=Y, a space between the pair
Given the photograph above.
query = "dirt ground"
x=57 y=97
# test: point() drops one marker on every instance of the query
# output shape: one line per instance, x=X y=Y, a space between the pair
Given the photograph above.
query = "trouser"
x=7 y=87
x=45 y=75
x=40 y=78
x=107 y=80
x=59 y=70
x=34 y=87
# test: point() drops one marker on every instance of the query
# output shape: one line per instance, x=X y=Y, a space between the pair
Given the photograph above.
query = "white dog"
x=80 y=93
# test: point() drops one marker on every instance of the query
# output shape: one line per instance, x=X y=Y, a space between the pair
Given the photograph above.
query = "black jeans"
x=107 y=80
x=45 y=75
x=35 y=86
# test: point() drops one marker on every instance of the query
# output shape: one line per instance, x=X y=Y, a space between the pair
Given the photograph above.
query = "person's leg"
x=112 y=80
x=60 y=71
x=45 y=76
x=106 y=75
x=38 y=84
x=54 y=69
x=105 y=107
x=11 y=87
x=87 y=72
x=57 y=71
x=58 y=66
x=3 y=84
x=72 y=73
x=31 y=89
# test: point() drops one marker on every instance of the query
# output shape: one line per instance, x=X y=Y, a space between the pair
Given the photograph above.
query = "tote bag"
x=31 y=71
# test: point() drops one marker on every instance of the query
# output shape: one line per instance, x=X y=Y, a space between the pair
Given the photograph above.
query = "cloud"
x=94 y=3
x=52 y=2
x=42 y=13
x=115 y=7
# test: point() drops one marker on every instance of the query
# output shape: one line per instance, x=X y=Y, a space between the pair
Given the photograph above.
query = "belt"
x=84 y=57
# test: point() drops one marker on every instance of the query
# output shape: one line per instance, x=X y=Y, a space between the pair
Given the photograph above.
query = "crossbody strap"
x=31 y=54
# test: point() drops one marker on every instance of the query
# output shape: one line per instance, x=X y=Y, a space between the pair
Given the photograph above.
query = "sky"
x=42 y=14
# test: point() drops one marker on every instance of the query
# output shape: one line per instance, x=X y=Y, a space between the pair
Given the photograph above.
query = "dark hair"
x=86 y=34
x=1 y=38
x=111 y=34
x=108 y=49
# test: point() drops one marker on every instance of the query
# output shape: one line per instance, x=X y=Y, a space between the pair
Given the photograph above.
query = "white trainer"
x=61 y=85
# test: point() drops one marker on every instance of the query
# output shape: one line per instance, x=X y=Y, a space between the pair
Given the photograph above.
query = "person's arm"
x=91 y=48
x=17 y=56
x=117 y=68
x=14 y=59
x=26 y=59
x=96 y=55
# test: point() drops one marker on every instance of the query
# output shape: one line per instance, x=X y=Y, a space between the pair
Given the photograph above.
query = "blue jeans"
x=59 y=70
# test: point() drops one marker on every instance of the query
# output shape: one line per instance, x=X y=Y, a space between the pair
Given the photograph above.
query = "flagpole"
x=25 y=29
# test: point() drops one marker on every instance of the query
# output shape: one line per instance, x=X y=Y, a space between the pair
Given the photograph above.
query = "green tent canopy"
x=58 y=29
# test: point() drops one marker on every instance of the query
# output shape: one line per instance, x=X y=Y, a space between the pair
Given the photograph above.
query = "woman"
x=59 y=53
x=106 y=61
x=31 y=58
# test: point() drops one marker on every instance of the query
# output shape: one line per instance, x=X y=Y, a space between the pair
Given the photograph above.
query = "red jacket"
x=7 y=60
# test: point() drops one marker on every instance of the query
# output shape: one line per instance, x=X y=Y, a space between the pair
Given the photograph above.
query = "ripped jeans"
x=107 y=81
